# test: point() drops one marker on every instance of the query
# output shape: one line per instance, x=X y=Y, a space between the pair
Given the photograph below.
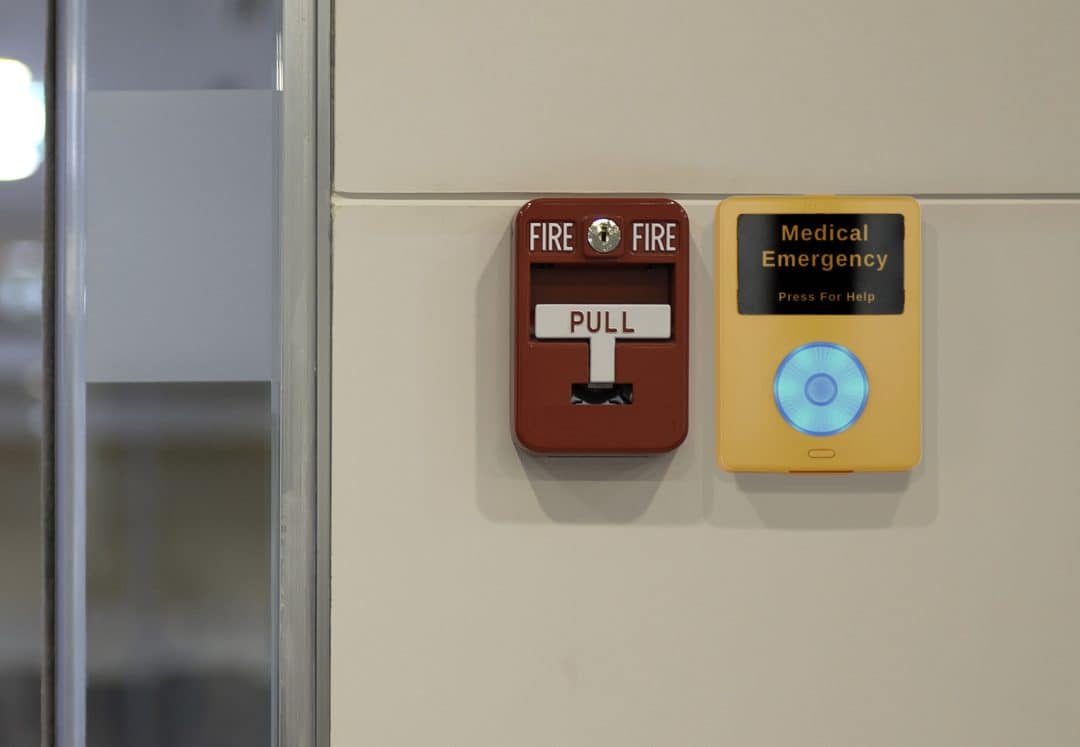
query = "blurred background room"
x=180 y=240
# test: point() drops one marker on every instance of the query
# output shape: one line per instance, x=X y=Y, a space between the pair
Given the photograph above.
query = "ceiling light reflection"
x=22 y=121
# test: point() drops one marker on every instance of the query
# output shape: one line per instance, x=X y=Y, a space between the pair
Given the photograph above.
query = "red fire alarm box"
x=601 y=325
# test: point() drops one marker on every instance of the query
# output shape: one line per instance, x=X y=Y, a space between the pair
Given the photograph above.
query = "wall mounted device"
x=601 y=327
x=818 y=334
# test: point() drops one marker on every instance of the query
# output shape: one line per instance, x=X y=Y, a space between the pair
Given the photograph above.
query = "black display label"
x=821 y=263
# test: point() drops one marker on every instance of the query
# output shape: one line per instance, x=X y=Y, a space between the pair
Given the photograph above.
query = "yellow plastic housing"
x=752 y=435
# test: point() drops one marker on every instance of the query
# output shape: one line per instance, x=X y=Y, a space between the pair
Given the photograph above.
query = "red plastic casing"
x=545 y=420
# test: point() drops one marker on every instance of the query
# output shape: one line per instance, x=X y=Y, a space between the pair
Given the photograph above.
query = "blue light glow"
x=821 y=388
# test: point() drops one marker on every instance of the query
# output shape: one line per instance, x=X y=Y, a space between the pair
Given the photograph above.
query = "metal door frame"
x=301 y=659
x=303 y=632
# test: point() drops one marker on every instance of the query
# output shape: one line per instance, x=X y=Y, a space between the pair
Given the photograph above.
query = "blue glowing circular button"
x=821 y=388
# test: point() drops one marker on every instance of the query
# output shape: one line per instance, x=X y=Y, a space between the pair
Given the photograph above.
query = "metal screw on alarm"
x=604 y=235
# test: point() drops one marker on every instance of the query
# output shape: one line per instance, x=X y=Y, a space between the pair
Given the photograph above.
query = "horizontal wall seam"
x=495 y=198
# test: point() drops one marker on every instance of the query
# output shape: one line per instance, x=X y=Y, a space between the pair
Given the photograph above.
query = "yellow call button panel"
x=818 y=324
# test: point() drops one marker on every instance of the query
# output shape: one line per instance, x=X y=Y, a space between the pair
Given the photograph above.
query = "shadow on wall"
x=685 y=487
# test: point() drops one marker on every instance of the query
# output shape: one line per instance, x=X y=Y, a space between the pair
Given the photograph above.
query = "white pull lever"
x=602 y=324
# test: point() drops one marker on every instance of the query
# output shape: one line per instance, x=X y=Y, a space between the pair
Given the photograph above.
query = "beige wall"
x=484 y=598
x=694 y=96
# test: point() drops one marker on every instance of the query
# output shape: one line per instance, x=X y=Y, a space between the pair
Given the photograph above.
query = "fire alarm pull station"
x=819 y=355
x=601 y=328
